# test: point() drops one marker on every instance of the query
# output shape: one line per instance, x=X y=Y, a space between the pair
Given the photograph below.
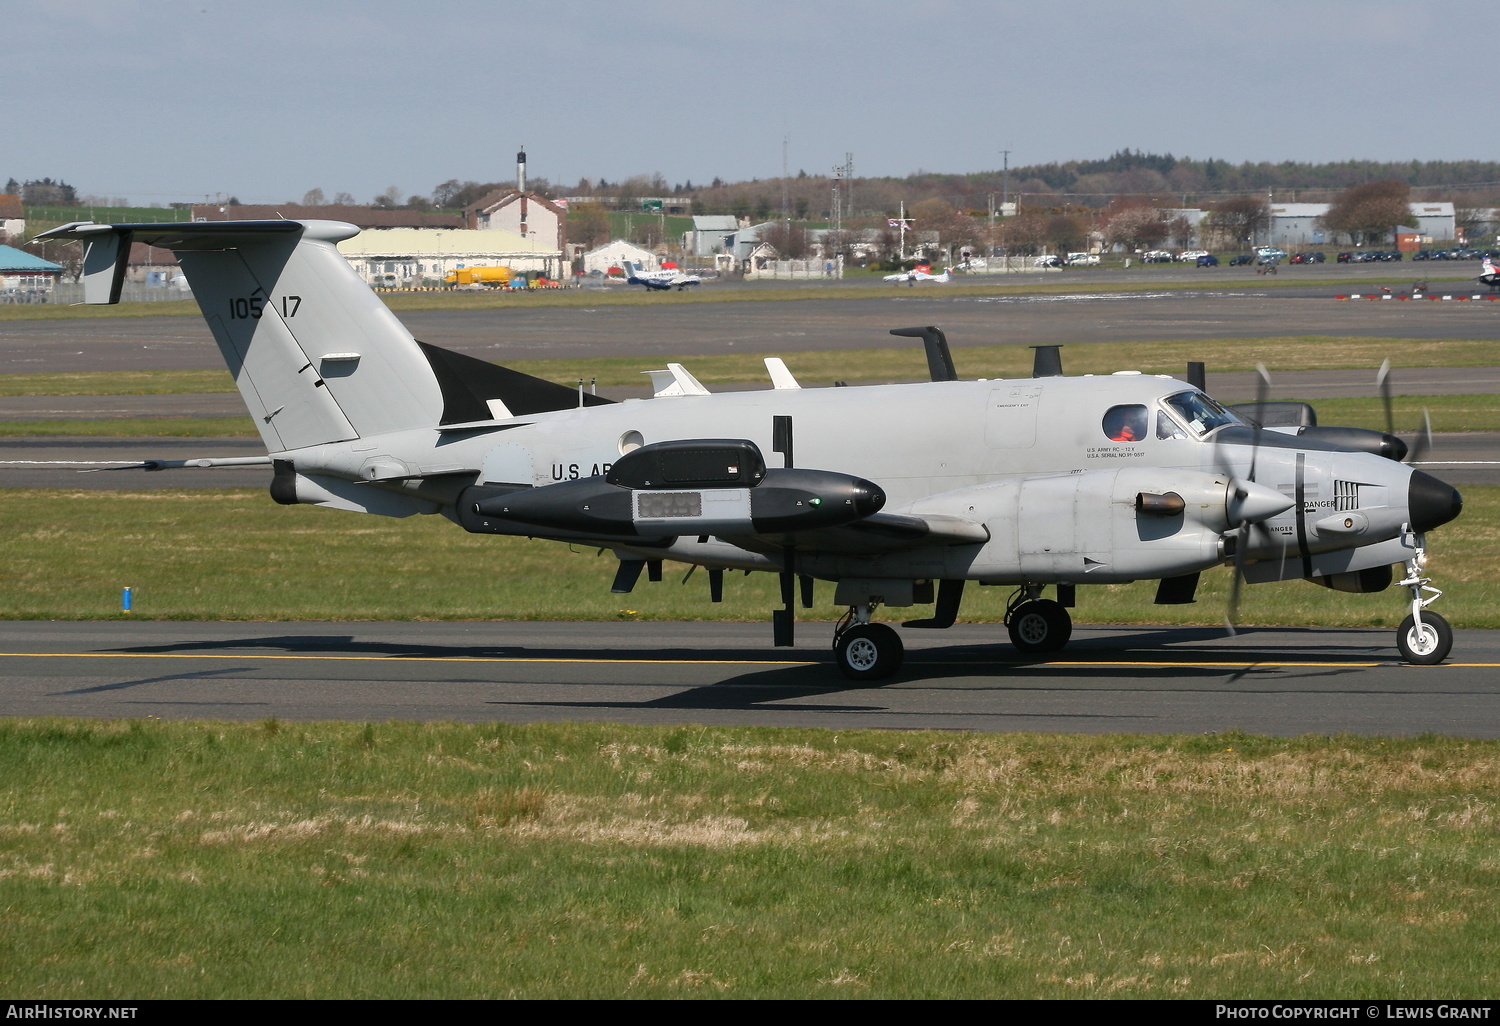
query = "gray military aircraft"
x=899 y=494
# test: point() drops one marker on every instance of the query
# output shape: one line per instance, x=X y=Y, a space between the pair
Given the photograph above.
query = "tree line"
x=1084 y=184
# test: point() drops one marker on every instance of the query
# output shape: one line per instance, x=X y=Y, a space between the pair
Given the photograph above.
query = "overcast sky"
x=266 y=99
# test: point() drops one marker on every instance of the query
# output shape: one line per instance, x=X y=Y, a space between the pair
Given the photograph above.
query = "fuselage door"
x=1010 y=420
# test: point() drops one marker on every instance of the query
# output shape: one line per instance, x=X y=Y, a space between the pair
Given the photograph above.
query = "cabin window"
x=1125 y=423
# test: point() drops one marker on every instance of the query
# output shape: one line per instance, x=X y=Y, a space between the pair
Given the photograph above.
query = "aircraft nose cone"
x=1431 y=503
x=1392 y=448
x=868 y=497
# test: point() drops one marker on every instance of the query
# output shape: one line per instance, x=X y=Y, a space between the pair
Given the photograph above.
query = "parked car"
x=1345 y=258
x=1157 y=256
x=1316 y=258
x=1270 y=251
x=1050 y=260
x=1083 y=260
x=1190 y=255
x=1208 y=260
x=1241 y=260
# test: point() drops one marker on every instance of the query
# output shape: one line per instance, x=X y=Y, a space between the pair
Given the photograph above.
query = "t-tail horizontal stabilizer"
x=317 y=356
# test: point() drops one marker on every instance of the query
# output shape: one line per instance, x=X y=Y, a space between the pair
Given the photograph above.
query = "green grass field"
x=279 y=860
x=236 y=555
x=166 y=382
x=131 y=427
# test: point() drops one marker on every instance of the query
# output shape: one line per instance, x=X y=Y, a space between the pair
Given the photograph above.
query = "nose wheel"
x=1424 y=642
x=1423 y=638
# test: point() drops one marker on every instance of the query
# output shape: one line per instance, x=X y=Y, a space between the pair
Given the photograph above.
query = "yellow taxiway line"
x=398 y=658
x=1148 y=663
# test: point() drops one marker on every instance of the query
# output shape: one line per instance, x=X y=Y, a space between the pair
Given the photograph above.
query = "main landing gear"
x=870 y=651
x=1037 y=625
x=865 y=650
x=1424 y=638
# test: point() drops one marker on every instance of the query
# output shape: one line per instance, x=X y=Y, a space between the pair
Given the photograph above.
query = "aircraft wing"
x=875 y=534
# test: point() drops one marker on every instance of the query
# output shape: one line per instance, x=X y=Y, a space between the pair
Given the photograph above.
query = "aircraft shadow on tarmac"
x=1269 y=666
x=1210 y=644
x=124 y=684
x=771 y=690
x=348 y=645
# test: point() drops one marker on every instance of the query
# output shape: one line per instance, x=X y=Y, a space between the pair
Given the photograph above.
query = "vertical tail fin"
x=316 y=355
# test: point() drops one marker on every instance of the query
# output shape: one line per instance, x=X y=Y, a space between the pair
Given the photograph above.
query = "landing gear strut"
x=865 y=650
x=1423 y=638
x=1036 y=624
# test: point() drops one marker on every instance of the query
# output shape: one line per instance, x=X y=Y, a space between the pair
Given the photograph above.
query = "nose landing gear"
x=1424 y=638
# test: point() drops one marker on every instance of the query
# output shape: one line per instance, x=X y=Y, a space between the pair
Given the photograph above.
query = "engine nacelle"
x=1376 y=443
x=1358 y=582
x=1102 y=526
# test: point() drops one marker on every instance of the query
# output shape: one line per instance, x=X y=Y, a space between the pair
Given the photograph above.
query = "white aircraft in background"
x=662 y=281
x=922 y=272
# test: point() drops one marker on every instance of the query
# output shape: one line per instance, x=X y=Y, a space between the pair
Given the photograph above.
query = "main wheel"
x=1040 y=626
x=1426 y=645
x=869 y=651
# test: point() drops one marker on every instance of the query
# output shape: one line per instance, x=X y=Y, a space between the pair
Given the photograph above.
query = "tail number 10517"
x=249 y=308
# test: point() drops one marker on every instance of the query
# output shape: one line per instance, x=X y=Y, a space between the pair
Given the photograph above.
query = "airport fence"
x=761 y=268
x=71 y=292
x=1002 y=265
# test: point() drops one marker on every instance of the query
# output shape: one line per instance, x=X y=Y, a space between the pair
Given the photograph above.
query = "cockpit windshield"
x=1200 y=413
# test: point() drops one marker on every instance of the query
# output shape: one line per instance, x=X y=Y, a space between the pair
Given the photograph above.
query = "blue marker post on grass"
x=125 y=600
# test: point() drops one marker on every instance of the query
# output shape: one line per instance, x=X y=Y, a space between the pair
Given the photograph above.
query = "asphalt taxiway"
x=1282 y=681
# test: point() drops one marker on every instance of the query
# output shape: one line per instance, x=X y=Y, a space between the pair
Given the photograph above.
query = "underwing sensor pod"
x=894 y=495
x=709 y=486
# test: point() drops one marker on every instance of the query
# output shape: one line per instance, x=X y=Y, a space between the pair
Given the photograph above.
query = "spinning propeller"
x=1250 y=504
x=1423 y=441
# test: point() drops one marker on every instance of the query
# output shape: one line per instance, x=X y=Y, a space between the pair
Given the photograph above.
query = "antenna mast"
x=786 y=209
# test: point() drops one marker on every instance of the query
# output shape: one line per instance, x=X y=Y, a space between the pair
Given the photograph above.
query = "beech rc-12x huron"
x=664 y=280
x=898 y=494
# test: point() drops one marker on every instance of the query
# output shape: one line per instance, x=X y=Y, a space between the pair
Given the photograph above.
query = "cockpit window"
x=1201 y=413
x=1166 y=427
x=1125 y=423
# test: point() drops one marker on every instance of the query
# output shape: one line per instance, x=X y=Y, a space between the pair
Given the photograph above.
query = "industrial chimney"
x=521 y=171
